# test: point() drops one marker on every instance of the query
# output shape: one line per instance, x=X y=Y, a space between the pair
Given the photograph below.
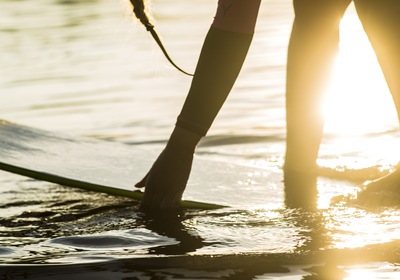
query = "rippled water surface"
x=87 y=69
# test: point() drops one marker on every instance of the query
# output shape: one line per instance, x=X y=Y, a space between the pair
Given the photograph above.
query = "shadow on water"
x=170 y=224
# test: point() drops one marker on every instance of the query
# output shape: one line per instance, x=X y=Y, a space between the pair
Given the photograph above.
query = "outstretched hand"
x=166 y=181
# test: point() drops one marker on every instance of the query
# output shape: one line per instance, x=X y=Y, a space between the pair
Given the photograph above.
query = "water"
x=86 y=68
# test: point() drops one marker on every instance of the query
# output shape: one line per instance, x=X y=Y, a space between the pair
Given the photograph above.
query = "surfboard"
x=85 y=163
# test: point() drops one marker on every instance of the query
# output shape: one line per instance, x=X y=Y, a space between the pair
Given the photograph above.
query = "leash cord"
x=139 y=11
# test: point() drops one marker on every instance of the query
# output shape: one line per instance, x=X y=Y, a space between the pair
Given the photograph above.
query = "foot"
x=384 y=191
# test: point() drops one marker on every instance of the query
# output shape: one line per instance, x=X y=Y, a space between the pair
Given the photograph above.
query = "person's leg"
x=219 y=64
x=312 y=49
x=381 y=22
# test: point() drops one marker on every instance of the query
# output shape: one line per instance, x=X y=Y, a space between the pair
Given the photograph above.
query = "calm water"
x=87 y=68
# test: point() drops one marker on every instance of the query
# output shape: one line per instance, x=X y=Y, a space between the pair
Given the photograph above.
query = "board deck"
x=94 y=165
x=113 y=167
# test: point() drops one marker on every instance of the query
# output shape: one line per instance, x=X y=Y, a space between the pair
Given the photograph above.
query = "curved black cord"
x=139 y=11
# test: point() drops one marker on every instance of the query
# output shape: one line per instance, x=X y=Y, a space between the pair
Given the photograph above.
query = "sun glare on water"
x=358 y=99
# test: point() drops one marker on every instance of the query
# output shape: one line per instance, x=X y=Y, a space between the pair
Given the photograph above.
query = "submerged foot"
x=382 y=192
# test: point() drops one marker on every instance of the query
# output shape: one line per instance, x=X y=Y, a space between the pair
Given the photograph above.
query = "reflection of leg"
x=381 y=21
x=219 y=64
x=312 y=49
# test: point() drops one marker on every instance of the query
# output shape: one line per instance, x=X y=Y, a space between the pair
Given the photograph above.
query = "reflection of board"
x=99 y=166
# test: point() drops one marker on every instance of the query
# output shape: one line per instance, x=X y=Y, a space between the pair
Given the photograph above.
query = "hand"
x=166 y=181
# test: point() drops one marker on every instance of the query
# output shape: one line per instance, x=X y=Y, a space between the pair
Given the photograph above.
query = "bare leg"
x=312 y=49
x=219 y=64
x=381 y=21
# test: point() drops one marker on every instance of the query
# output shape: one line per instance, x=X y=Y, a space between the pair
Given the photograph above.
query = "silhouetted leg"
x=219 y=64
x=381 y=21
x=312 y=49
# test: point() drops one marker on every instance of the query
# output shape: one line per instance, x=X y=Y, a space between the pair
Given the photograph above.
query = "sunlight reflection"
x=352 y=227
x=379 y=270
x=356 y=274
x=358 y=98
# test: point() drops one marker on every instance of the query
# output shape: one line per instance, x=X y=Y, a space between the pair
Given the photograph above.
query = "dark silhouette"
x=312 y=49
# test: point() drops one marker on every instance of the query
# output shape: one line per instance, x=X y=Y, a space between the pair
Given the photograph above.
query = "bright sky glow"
x=358 y=99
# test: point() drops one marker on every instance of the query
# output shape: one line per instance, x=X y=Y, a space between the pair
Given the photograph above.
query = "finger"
x=146 y=201
x=171 y=201
x=151 y=199
x=142 y=183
